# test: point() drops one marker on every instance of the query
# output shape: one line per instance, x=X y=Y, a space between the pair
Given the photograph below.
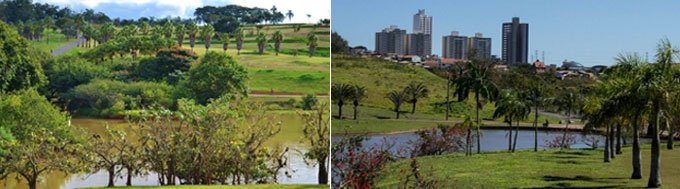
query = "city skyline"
x=589 y=32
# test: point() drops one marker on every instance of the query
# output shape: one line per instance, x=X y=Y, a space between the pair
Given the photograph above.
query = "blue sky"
x=591 y=32
x=185 y=8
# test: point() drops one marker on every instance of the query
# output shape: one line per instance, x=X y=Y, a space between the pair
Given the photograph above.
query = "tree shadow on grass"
x=572 y=153
x=562 y=184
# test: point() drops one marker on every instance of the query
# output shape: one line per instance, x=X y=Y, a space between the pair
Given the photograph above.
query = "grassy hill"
x=380 y=77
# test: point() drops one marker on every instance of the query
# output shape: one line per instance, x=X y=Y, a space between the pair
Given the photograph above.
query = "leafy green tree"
x=144 y=28
x=207 y=32
x=170 y=64
x=49 y=22
x=109 y=151
x=70 y=71
x=290 y=15
x=19 y=69
x=514 y=106
x=216 y=75
x=338 y=44
x=42 y=141
x=477 y=80
x=312 y=42
x=179 y=33
x=397 y=98
x=168 y=29
x=414 y=92
x=192 y=29
x=239 y=35
x=107 y=31
x=277 y=37
x=340 y=93
x=261 y=41
x=317 y=130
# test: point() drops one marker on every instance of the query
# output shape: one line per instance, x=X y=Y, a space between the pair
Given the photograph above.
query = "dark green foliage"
x=168 y=65
x=227 y=24
x=215 y=75
x=19 y=68
x=309 y=101
x=110 y=98
x=67 y=72
x=24 y=112
x=338 y=44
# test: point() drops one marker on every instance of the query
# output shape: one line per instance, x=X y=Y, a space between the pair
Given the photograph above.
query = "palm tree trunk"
x=606 y=146
x=414 y=107
x=479 y=146
x=536 y=129
x=611 y=143
x=468 y=144
x=669 y=145
x=340 y=109
x=514 y=146
x=618 y=139
x=654 y=175
x=510 y=136
x=637 y=167
x=397 y=108
x=355 y=111
x=566 y=129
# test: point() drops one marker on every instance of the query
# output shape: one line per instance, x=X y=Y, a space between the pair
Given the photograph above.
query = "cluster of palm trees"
x=633 y=93
x=34 y=30
x=411 y=94
x=341 y=93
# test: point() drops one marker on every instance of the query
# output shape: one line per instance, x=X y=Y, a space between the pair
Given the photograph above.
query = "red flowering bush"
x=355 y=166
x=436 y=141
x=561 y=140
x=414 y=179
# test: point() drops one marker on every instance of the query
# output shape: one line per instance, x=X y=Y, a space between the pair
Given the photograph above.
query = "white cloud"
x=184 y=8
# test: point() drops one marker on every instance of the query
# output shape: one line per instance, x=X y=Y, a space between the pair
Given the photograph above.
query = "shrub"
x=169 y=65
x=215 y=75
x=67 y=72
x=109 y=98
x=443 y=139
x=309 y=101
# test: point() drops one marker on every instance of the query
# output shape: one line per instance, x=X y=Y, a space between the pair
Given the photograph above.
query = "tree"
x=568 y=102
x=226 y=77
x=514 y=106
x=340 y=93
x=338 y=44
x=67 y=72
x=312 y=42
x=224 y=37
x=49 y=22
x=192 y=29
x=359 y=94
x=207 y=32
x=477 y=80
x=227 y=24
x=42 y=140
x=238 y=34
x=397 y=98
x=168 y=29
x=414 y=92
x=20 y=69
x=536 y=96
x=277 y=37
x=107 y=31
x=145 y=28
x=317 y=131
x=179 y=33
x=109 y=151
x=290 y=15
x=169 y=64
x=261 y=41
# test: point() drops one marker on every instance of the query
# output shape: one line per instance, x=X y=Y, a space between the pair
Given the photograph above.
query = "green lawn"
x=290 y=186
x=543 y=169
x=289 y=80
x=56 y=40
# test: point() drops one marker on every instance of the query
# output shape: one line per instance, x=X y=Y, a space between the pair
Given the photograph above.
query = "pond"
x=491 y=140
x=290 y=136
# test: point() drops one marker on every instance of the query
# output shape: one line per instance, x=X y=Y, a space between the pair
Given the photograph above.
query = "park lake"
x=290 y=136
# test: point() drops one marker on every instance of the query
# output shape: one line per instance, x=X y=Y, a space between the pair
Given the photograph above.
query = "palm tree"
x=107 y=31
x=359 y=94
x=261 y=41
x=397 y=98
x=467 y=125
x=414 y=92
x=536 y=96
x=569 y=103
x=478 y=81
x=179 y=33
x=20 y=28
x=145 y=27
x=49 y=22
x=514 y=106
x=238 y=34
x=453 y=73
x=339 y=93
x=192 y=29
x=207 y=32
x=224 y=37
x=80 y=19
x=290 y=15
x=168 y=29
x=277 y=37
x=312 y=42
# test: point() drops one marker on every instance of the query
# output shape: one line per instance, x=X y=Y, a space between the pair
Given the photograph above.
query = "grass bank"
x=287 y=186
x=543 y=169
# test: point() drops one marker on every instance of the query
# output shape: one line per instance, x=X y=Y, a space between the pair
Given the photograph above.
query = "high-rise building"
x=515 y=42
x=454 y=46
x=390 y=40
x=417 y=43
x=423 y=24
x=482 y=44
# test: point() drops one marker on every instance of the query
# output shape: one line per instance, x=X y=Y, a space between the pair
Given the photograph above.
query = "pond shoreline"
x=483 y=127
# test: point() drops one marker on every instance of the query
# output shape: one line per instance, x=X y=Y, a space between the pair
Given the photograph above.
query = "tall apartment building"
x=454 y=46
x=515 y=42
x=418 y=43
x=390 y=40
x=482 y=44
x=423 y=24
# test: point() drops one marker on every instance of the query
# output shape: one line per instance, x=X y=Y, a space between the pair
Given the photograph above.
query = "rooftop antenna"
x=646 y=56
x=543 y=58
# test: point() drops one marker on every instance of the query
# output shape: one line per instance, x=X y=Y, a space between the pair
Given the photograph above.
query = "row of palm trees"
x=206 y=32
x=341 y=93
x=33 y=30
x=411 y=94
